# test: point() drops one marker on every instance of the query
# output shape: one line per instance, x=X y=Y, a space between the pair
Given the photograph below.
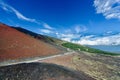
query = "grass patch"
x=78 y=47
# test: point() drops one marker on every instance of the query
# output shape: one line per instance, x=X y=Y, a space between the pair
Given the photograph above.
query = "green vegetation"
x=78 y=47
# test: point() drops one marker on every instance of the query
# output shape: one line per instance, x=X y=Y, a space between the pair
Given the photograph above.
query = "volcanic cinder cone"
x=15 y=45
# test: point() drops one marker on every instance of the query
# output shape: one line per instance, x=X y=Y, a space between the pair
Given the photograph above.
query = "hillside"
x=100 y=65
x=18 y=45
x=15 y=44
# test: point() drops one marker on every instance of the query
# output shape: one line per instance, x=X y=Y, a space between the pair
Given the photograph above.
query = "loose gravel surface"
x=39 y=71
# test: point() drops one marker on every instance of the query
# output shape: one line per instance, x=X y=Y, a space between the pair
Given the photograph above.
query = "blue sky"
x=92 y=22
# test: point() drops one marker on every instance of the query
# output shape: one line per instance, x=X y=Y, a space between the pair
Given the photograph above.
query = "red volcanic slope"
x=15 y=44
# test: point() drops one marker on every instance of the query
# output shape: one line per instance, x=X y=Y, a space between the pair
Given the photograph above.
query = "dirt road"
x=35 y=59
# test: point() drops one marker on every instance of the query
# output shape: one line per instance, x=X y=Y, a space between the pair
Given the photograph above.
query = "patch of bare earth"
x=14 y=45
x=66 y=60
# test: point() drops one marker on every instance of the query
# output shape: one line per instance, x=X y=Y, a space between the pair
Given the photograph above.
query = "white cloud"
x=106 y=40
x=47 y=26
x=68 y=36
x=46 y=31
x=109 y=8
x=109 y=38
x=9 y=8
x=71 y=33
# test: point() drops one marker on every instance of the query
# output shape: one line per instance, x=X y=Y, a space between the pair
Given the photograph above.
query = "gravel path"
x=34 y=59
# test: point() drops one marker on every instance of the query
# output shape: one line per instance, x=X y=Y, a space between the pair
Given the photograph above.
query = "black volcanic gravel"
x=39 y=71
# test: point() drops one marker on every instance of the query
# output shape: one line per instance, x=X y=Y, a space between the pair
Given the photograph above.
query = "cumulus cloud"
x=71 y=33
x=109 y=8
x=109 y=38
x=67 y=36
x=93 y=40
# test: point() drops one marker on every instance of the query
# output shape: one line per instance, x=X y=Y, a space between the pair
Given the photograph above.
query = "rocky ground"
x=39 y=71
x=100 y=67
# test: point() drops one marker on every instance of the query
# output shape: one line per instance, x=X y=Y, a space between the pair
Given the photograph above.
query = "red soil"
x=15 y=44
